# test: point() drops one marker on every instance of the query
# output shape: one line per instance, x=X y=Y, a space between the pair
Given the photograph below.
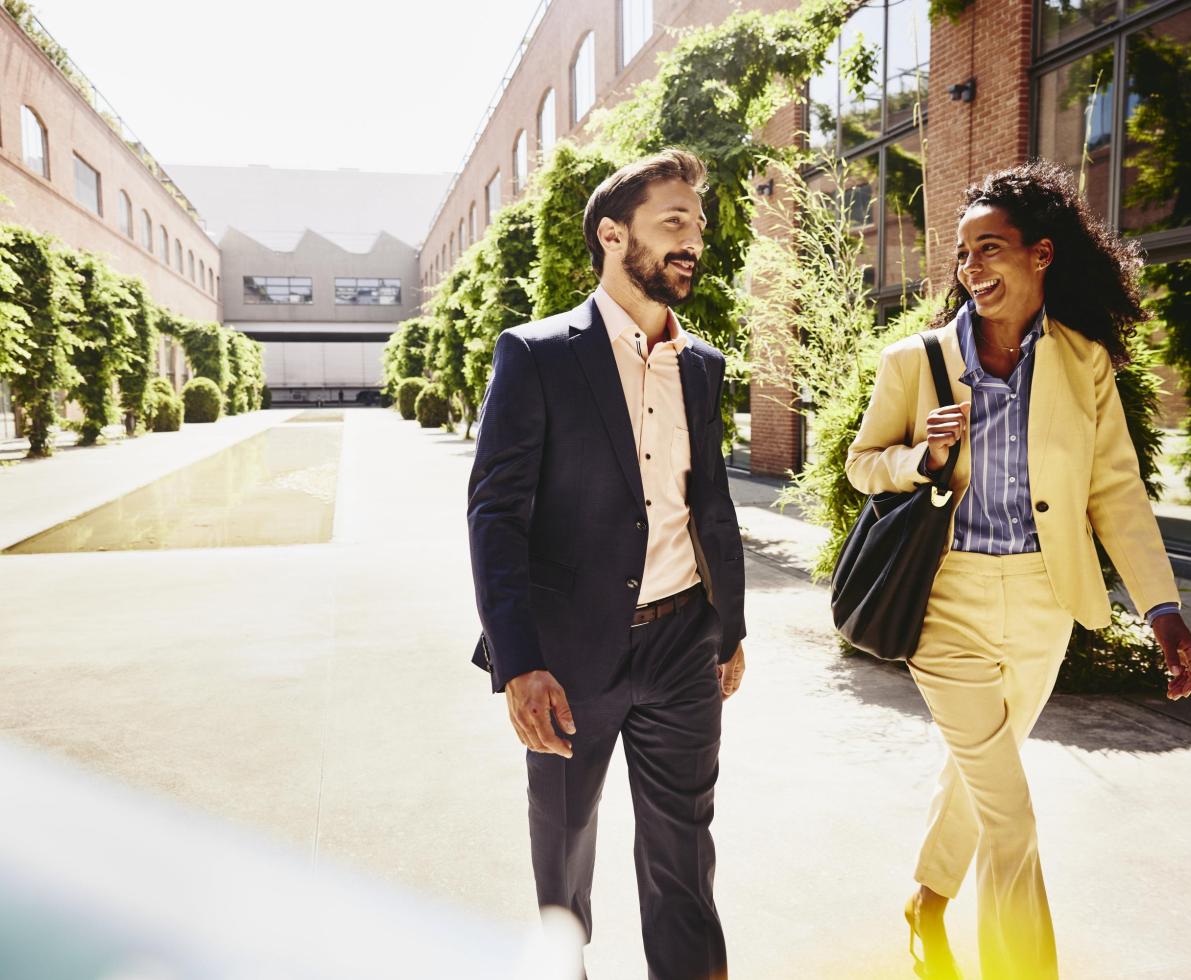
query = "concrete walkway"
x=322 y=695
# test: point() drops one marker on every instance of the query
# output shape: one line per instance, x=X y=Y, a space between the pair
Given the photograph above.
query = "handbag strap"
x=938 y=370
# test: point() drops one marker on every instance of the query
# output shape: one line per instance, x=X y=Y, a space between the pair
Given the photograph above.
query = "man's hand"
x=1175 y=640
x=731 y=673
x=531 y=699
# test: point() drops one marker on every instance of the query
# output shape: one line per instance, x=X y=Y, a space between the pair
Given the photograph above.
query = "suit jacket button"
x=1042 y=507
x=632 y=583
x=641 y=526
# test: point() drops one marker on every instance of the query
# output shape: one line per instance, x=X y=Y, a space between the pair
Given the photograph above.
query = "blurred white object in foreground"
x=100 y=882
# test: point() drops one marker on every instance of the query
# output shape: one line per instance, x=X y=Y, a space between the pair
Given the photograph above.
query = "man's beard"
x=649 y=275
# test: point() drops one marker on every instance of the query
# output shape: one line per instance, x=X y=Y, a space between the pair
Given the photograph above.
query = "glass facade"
x=34 y=148
x=1111 y=81
x=583 y=89
x=877 y=128
x=87 y=188
x=278 y=289
x=367 y=292
x=636 y=27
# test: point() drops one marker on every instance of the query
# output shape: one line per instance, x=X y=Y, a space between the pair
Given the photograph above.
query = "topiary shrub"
x=407 y=396
x=164 y=412
x=202 y=400
x=433 y=409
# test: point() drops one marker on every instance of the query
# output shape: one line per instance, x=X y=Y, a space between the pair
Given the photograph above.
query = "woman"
x=1039 y=313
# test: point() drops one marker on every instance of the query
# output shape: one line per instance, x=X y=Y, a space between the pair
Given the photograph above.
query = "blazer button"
x=633 y=583
x=641 y=526
x=1042 y=507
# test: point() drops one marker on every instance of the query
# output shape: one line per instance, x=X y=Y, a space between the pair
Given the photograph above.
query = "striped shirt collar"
x=617 y=320
x=965 y=327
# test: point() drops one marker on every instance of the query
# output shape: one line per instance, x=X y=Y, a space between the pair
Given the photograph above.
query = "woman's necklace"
x=988 y=343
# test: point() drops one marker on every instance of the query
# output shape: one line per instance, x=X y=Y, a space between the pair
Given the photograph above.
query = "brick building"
x=1006 y=80
x=70 y=167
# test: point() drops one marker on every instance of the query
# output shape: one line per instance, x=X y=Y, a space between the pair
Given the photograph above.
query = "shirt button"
x=1011 y=438
x=642 y=526
x=1014 y=520
x=1013 y=396
x=1012 y=479
x=632 y=583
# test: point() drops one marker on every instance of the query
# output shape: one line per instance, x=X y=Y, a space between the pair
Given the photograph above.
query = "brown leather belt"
x=660 y=608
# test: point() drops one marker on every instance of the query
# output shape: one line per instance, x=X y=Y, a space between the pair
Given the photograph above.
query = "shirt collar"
x=617 y=320
x=965 y=327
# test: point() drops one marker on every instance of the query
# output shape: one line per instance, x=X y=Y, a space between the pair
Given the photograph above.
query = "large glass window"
x=1110 y=105
x=878 y=131
x=636 y=27
x=583 y=79
x=278 y=289
x=34 y=144
x=146 y=230
x=124 y=217
x=547 y=126
x=86 y=186
x=367 y=292
x=520 y=162
x=491 y=199
x=1156 y=176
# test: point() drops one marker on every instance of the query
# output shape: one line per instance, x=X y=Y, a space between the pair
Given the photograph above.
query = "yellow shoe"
x=935 y=963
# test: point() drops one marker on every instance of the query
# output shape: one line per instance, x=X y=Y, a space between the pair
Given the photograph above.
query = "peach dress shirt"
x=653 y=394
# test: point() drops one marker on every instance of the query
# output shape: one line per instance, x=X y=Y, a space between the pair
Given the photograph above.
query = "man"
x=608 y=563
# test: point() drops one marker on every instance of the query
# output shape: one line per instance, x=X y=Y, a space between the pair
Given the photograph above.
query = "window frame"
x=1171 y=244
x=249 y=283
x=383 y=282
x=520 y=161
x=98 y=210
x=44 y=173
x=625 y=58
x=573 y=73
x=124 y=214
x=552 y=97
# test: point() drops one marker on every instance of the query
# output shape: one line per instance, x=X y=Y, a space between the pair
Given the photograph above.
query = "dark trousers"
x=665 y=704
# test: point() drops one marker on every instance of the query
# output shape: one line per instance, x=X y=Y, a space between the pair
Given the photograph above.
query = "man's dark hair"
x=620 y=194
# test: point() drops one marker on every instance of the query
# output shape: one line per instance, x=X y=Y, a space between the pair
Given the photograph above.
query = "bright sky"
x=396 y=86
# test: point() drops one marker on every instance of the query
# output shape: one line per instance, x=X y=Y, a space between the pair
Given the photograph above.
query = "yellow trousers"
x=992 y=643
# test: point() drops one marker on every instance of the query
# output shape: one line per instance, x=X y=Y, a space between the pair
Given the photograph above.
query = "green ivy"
x=14 y=318
x=141 y=365
x=1170 y=303
x=951 y=9
x=48 y=292
x=106 y=335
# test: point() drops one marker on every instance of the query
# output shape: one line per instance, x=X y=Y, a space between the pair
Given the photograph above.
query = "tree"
x=106 y=336
x=141 y=365
x=48 y=291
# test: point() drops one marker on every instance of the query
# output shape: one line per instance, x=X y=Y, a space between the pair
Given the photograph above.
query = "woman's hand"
x=945 y=427
x=1175 y=640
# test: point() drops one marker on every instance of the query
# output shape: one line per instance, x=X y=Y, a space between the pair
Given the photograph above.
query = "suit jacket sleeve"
x=1118 y=506
x=882 y=458
x=504 y=479
x=735 y=546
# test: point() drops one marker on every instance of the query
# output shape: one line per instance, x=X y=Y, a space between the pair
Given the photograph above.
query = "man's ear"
x=612 y=235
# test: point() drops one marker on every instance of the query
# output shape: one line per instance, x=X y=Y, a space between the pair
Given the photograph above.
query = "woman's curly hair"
x=1091 y=285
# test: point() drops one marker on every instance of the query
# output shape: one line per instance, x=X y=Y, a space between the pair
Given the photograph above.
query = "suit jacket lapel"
x=953 y=357
x=591 y=346
x=693 y=373
x=1044 y=389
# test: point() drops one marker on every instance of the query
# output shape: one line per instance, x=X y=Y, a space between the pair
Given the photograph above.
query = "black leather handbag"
x=884 y=574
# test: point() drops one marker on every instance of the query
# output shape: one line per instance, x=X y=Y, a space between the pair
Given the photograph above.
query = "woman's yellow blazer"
x=1082 y=464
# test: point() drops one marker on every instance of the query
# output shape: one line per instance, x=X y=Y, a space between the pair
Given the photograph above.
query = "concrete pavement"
x=321 y=694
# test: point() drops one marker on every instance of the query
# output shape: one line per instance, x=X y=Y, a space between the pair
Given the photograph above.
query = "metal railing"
x=534 y=22
x=57 y=55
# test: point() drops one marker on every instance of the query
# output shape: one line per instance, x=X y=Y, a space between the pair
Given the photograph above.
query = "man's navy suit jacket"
x=556 y=511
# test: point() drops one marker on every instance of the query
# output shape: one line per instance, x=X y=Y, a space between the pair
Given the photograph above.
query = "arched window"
x=491 y=199
x=520 y=162
x=461 y=246
x=471 y=224
x=146 y=231
x=636 y=27
x=124 y=214
x=547 y=123
x=202 y=274
x=211 y=281
x=583 y=79
x=452 y=247
x=165 y=245
x=178 y=256
x=190 y=263
x=34 y=143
